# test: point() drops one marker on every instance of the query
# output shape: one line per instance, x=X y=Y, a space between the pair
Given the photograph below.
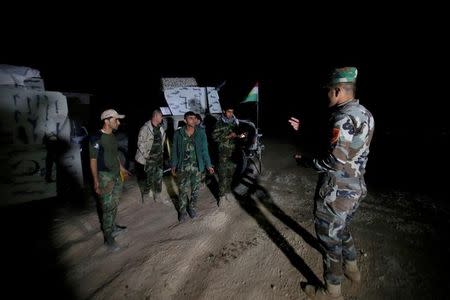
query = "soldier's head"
x=157 y=117
x=342 y=85
x=110 y=119
x=199 y=118
x=190 y=119
x=228 y=110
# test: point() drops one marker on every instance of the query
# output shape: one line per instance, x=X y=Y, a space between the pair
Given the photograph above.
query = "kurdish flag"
x=253 y=95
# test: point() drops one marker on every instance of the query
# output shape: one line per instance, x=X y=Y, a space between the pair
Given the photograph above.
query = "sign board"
x=174 y=82
x=184 y=99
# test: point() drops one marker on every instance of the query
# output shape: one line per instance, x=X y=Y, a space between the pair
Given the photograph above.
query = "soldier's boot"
x=111 y=244
x=192 y=208
x=351 y=271
x=145 y=197
x=156 y=196
x=118 y=229
x=192 y=211
x=331 y=292
x=182 y=216
x=221 y=200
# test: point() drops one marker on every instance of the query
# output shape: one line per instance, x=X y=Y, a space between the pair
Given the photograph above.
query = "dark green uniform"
x=104 y=148
x=189 y=176
x=189 y=156
x=226 y=146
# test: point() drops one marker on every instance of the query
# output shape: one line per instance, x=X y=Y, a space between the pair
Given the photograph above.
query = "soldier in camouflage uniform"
x=106 y=170
x=149 y=156
x=224 y=135
x=189 y=158
x=341 y=186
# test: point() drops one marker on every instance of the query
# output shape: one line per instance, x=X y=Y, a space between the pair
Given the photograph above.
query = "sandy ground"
x=260 y=247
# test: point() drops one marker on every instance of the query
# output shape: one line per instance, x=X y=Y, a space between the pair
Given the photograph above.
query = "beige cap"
x=111 y=113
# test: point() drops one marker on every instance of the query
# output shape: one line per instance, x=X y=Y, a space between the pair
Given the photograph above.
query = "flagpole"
x=257 y=107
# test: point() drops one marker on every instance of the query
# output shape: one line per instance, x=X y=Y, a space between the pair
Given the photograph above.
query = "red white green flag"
x=253 y=95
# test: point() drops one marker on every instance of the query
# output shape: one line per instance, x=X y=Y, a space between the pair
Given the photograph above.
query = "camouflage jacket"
x=352 y=127
x=145 y=142
x=220 y=133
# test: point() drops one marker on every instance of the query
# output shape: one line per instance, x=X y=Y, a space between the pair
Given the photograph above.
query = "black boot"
x=110 y=242
x=191 y=208
x=192 y=212
x=182 y=216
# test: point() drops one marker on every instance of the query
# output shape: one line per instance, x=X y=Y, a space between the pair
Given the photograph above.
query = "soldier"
x=106 y=170
x=199 y=121
x=149 y=156
x=189 y=158
x=341 y=186
x=224 y=135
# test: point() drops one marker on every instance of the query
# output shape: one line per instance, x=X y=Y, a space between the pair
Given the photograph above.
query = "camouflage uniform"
x=190 y=157
x=111 y=189
x=104 y=148
x=341 y=186
x=149 y=155
x=226 y=147
x=189 y=176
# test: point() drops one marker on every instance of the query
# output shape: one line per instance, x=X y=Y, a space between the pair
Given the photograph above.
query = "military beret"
x=344 y=75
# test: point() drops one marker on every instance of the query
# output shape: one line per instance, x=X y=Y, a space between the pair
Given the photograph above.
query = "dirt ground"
x=259 y=247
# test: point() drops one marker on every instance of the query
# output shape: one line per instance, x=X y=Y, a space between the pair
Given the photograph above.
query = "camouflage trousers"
x=333 y=213
x=111 y=189
x=188 y=179
x=150 y=177
x=225 y=172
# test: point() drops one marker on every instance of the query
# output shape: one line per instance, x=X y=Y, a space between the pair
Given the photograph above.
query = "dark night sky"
x=119 y=55
x=399 y=63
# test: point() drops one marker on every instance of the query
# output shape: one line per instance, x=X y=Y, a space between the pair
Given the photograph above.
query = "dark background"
x=119 y=55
